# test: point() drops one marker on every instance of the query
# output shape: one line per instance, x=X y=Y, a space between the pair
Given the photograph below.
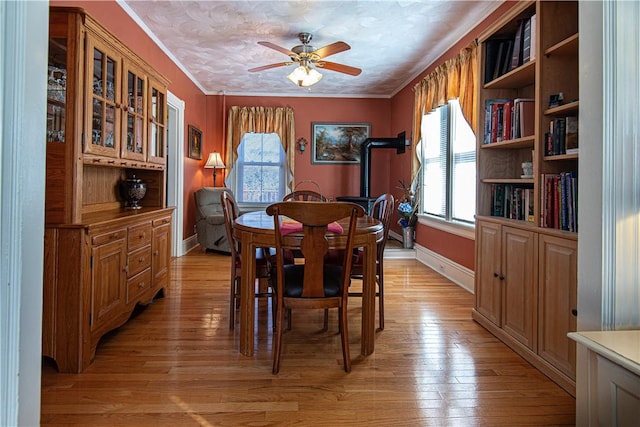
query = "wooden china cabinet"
x=106 y=121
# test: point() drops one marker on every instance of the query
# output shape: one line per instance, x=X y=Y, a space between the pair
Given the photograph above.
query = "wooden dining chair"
x=304 y=195
x=314 y=284
x=301 y=196
x=382 y=210
x=263 y=264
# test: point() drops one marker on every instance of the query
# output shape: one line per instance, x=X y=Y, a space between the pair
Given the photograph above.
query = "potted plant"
x=408 y=211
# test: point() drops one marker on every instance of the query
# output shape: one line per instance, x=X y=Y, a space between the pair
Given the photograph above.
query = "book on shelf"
x=558 y=201
x=507 y=129
x=529 y=205
x=497 y=196
x=506 y=59
x=495 y=51
x=571 y=141
x=527 y=114
x=548 y=143
x=490 y=56
x=559 y=132
x=507 y=119
x=497 y=68
x=516 y=55
x=562 y=137
x=491 y=119
x=512 y=201
x=534 y=35
x=526 y=41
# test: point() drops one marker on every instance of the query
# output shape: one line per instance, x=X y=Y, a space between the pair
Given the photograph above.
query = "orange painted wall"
x=339 y=179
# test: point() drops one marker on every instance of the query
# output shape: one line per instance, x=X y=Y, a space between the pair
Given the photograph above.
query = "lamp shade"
x=305 y=76
x=214 y=161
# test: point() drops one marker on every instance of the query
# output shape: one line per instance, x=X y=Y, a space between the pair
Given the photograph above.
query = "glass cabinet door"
x=103 y=91
x=134 y=145
x=57 y=90
x=157 y=124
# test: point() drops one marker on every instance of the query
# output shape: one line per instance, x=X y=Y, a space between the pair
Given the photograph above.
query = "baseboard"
x=189 y=243
x=458 y=274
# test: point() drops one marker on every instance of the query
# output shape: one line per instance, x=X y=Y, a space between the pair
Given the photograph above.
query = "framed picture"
x=337 y=142
x=195 y=143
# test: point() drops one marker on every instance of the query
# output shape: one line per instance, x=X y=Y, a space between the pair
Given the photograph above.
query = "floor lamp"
x=214 y=162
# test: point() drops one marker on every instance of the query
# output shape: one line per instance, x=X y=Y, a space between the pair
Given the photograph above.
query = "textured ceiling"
x=216 y=42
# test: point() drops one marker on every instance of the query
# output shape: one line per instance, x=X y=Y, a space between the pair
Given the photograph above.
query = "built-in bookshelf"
x=527 y=183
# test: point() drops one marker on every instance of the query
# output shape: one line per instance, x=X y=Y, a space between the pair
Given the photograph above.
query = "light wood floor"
x=176 y=364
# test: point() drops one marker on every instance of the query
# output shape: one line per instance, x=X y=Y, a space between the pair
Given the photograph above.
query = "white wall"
x=23 y=71
x=590 y=168
x=609 y=170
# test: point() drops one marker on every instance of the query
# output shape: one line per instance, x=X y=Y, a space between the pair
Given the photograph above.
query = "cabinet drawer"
x=138 y=260
x=161 y=221
x=139 y=235
x=101 y=239
x=138 y=284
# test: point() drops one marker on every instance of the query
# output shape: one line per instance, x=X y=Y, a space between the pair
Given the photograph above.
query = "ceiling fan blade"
x=278 y=48
x=267 y=67
x=332 y=49
x=341 y=68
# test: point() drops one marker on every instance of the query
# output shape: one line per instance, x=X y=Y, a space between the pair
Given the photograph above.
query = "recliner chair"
x=210 y=219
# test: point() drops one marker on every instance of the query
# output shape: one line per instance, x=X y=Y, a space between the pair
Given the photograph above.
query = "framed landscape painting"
x=337 y=142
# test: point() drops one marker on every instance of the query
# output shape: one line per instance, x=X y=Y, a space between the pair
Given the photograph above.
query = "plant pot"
x=407 y=237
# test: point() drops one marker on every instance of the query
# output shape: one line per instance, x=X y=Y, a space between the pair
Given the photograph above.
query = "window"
x=448 y=165
x=260 y=171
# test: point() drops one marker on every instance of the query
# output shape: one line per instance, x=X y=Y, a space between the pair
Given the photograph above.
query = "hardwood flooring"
x=177 y=364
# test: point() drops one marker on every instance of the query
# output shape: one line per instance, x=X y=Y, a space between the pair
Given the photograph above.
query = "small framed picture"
x=337 y=142
x=555 y=100
x=195 y=143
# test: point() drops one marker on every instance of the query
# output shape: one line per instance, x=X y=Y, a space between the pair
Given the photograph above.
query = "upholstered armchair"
x=210 y=219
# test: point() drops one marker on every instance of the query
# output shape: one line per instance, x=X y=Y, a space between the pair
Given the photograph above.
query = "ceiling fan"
x=306 y=55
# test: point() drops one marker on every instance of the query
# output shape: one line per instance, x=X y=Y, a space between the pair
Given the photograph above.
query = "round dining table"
x=255 y=230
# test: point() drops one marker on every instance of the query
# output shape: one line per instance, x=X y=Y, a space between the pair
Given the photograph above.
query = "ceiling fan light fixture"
x=305 y=76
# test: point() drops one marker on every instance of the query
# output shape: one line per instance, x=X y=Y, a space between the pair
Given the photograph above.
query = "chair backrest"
x=382 y=211
x=304 y=195
x=208 y=201
x=315 y=218
x=230 y=211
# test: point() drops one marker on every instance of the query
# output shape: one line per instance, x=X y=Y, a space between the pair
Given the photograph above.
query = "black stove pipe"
x=365 y=157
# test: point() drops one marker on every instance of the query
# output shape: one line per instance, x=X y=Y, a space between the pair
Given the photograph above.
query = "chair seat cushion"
x=294 y=275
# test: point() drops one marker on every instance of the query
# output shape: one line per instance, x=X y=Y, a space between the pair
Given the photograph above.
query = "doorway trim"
x=175 y=169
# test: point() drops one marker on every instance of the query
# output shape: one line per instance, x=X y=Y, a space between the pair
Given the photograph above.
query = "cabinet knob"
x=501 y=277
x=495 y=274
x=574 y=312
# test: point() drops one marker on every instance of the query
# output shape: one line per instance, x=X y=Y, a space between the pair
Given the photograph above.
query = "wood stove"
x=365 y=200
